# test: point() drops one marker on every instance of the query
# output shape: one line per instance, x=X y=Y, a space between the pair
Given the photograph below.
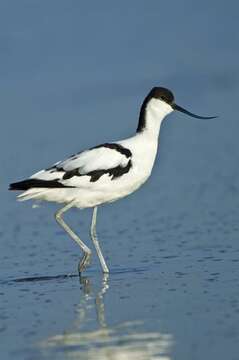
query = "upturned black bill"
x=179 y=108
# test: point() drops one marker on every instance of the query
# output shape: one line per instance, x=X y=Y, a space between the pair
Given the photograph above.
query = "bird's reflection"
x=124 y=341
x=98 y=300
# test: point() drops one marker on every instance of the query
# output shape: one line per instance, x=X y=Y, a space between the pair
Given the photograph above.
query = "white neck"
x=154 y=113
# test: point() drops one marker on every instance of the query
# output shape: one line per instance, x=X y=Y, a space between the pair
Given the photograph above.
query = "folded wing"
x=110 y=159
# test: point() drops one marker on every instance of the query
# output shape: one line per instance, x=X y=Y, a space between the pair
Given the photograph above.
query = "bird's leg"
x=87 y=252
x=96 y=242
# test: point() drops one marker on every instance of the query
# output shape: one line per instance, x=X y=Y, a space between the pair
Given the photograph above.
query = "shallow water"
x=74 y=75
x=177 y=297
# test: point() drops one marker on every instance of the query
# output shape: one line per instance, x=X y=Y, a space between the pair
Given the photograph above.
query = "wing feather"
x=94 y=162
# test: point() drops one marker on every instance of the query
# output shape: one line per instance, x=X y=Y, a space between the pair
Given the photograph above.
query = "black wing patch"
x=96 y=174
x=36 y=183
x=114 y=172
x=124 y=151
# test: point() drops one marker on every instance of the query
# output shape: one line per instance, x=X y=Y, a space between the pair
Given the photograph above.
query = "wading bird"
x=104 y=173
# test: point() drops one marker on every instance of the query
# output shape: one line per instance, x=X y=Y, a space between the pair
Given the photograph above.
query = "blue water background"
x=73 y=74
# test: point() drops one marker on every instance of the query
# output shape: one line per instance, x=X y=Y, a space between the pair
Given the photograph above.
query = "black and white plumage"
x=104 y=173
x=110 y=159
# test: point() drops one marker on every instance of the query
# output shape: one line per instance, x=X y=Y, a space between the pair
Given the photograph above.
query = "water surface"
x=74 y=75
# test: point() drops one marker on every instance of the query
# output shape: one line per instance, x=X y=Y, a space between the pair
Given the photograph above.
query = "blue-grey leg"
x=87 y=252
x=96 y=242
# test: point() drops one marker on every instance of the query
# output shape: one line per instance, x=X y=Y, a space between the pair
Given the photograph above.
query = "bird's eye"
x=163 y=98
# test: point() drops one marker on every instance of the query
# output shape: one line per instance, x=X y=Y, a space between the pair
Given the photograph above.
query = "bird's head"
x=159 y=103
x=164 y=98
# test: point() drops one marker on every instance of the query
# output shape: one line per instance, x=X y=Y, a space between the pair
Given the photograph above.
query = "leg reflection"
x=90 y=338
x=99 y=302
x=92 y=299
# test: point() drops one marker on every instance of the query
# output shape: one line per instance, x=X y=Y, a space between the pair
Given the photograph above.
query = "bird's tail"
x=30 y=183
x=33 y=188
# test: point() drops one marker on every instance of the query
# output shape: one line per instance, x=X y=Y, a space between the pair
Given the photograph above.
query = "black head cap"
x=161 y=93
